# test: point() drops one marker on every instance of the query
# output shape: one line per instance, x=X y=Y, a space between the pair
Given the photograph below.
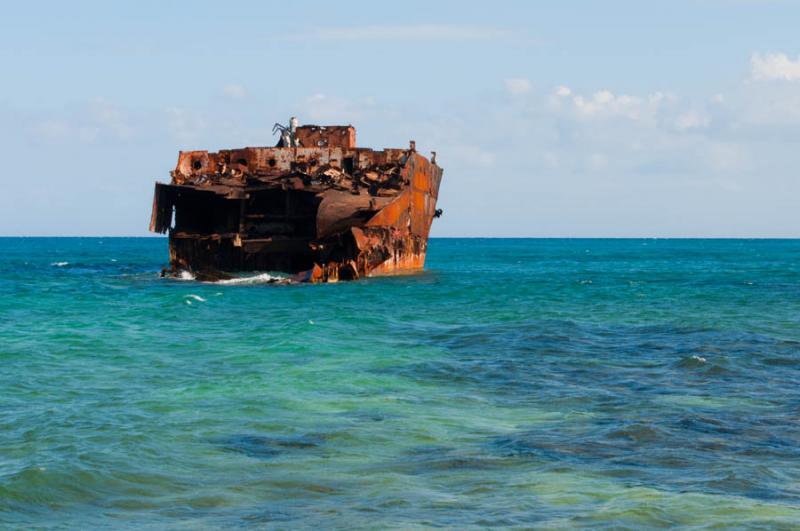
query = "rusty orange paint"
x=324 y=209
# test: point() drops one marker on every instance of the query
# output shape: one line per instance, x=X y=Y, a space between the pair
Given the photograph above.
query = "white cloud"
x=518 y=86
x=691 y=120
x=580 y=161
x=606 y=103
x=105 y=116
x=323 y=109
x=595 y=104
x=234 y=91
x=598 y=161
x=96 y=120
x=774 y=66
x=319 y=108
x=768 y=105
x=184 y=125
x=727 y=158
x=51 y=130
x=442 y=32
x=470 y=154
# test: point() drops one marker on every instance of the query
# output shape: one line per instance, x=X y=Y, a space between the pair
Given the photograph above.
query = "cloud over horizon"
x=547 y=122
x=414 y=32
x=775 y=66
x=576 y=146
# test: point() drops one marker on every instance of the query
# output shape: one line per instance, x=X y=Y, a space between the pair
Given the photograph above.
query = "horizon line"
x=159 y=236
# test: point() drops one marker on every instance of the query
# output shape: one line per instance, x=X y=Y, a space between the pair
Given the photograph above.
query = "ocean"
x=545 y=383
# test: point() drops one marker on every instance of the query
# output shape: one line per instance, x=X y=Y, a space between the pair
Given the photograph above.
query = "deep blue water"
x=528 y=383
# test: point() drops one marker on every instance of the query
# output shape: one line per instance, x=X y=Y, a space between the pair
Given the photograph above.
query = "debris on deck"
x=315 y=205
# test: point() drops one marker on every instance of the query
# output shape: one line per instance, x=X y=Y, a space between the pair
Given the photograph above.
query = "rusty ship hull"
x=315 y=206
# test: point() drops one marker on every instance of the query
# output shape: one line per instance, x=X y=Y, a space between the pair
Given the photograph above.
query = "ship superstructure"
x=315 y=205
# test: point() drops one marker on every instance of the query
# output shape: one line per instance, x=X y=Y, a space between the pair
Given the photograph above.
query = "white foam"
x=701 y=359
x=262 y=278
x=198 y=298
x=185 y=275
x=59 y=264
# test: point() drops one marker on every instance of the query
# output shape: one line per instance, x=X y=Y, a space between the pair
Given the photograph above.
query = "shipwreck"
x=314 y=206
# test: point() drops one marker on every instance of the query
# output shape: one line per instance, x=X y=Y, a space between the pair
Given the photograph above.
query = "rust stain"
x=315 y=206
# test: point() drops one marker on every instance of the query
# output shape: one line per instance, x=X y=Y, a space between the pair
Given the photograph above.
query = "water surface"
x=528 y=383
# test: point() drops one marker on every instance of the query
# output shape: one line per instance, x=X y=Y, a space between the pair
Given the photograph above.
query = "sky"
x=550 y=119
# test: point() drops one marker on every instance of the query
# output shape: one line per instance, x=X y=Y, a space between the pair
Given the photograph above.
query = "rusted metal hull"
x=325 y=213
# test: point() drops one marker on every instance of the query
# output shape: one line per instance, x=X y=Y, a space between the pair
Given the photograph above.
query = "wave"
x=261 y=278
x=59 y=264
x=185 y=275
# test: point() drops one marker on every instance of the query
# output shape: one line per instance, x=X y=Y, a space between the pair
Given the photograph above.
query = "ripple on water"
x=497 y=390
x=266 y=447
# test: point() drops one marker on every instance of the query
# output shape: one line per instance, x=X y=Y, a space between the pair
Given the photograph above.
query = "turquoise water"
x=529 y=383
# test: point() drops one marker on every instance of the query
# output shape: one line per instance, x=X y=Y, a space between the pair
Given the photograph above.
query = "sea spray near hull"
x=248 y=280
